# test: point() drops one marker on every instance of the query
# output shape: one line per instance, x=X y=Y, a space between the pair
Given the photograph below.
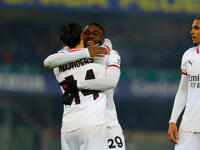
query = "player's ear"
x=82 y=35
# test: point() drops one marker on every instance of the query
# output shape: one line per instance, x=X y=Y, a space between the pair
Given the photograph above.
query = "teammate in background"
x=93 y=34
x=83 y=123
x=188 y=96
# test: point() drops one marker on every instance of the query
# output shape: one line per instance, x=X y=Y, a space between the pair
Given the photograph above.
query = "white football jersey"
x=90 y=106
x=113 y=60
x=191 y=67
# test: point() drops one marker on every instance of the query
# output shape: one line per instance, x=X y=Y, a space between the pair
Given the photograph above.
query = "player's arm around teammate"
x=65 y=55
x=112 y=72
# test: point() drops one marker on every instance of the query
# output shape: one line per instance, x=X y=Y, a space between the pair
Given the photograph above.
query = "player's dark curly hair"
x=70 y=34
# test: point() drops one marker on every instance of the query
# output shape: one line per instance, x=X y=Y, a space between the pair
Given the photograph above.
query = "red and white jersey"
x=90 y=109
x=190 y=66
x=113 y=60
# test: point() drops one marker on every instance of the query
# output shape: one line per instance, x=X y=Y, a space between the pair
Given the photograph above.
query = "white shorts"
x=87 y=138
x=188 y=141
x=116 y=138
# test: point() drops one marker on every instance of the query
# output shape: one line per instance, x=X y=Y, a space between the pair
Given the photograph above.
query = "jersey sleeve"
x=181 y=95
x=183 y=64
x=112 y=75
x=114 y=59
x=65 y=56
x=180 y=100
x=62 y=50
x=107 y=44
x=110 y=81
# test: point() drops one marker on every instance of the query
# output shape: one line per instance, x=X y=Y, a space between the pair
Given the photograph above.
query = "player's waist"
x=76 y=117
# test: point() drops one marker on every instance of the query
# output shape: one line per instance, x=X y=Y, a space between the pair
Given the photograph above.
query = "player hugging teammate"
x=87 y=77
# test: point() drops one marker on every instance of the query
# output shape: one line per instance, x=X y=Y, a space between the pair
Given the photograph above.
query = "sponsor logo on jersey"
x=194 y=77
x=194 y=81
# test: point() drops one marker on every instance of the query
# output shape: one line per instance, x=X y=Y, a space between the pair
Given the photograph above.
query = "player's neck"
x=81 y=45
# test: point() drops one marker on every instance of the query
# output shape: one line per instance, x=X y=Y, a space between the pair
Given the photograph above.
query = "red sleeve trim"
x=114 y=66
x=107 y=48
x=184 y=73
x=198 y=50
x=74 y=50
x=61 y=52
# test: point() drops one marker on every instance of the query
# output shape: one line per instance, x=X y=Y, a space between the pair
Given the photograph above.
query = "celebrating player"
x=94 y=34
x=188 y=96
x=84 y=123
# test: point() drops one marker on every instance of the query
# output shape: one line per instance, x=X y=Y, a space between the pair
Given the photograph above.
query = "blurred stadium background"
x=150 y=35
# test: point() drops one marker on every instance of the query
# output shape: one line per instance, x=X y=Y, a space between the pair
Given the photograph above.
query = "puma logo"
x=190 y=62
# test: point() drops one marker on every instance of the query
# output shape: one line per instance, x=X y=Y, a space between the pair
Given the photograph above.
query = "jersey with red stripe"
x=191 y=68
x=113 y=60
x=88 y=107
x=112 y=120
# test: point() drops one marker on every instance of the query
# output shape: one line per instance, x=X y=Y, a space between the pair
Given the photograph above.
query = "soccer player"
x=83 y=123
x=188 y=97
x=93 y=34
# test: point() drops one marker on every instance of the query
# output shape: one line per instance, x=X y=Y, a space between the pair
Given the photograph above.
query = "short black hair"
x=70 y=34
x=98 y=25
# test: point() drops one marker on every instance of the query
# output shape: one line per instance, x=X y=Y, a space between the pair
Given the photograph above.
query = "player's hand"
x=69 y=85
x=97 y=51
x=173 y=132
